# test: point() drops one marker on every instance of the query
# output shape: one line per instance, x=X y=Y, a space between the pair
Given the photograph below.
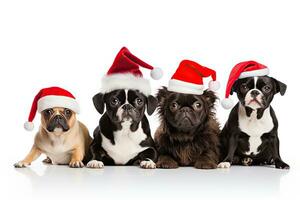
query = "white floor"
x=41 y=181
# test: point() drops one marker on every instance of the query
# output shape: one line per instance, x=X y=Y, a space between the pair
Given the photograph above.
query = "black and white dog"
x=123 y=135
x=250 y=135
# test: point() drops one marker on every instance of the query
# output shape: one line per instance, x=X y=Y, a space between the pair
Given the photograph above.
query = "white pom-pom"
x=156 y=73
x=227 y=103
x=28 y=126
x=214 y=85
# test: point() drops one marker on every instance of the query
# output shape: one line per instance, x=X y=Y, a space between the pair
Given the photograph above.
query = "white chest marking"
x=254 y=127
x=127 y=143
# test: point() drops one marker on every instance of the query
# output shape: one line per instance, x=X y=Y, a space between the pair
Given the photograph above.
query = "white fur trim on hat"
x=185 y=87
x=156 y=73
x=260 y=72
x=227 y=103
x=28 y=126
x=125 y=81
x=214 y=85
x=51 y=101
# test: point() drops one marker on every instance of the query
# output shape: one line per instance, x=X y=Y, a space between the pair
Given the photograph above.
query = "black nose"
x=127 y=107
x=58 y=118
x=185 y=109
x=254 y=93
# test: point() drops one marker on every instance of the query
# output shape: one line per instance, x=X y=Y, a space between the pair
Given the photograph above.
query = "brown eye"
x=197 y=105
x=115 y=101
x=174 y=106
x=244 y=87
x=266 y=88
x=68 y=112
x=139 y=101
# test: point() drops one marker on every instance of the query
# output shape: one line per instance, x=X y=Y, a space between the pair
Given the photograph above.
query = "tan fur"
x=60 y=147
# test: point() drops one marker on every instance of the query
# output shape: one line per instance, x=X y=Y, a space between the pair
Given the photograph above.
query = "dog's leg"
x=47 y=160
x=96 y=151
x=276 y=155
x=147 y=158
x=76 y=158
x=232 y=145
x=207 y=160
x=166 y=162
x=32 y=155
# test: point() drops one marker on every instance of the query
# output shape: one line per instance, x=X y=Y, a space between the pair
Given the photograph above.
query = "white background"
x=73 y=43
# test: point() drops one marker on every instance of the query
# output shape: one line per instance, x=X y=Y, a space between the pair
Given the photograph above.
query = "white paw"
x=21 y=164
x=148 y=164
x=224 y=165
x=95 y=164
x=76 y=164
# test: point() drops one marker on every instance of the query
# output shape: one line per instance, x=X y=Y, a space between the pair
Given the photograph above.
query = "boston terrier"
x=250 y=135
x=123 y=135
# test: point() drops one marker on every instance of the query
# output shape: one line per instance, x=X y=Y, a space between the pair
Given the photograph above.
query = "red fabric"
x=126 y=62
x=192 y=72
x=239 y=68
x=57 y=91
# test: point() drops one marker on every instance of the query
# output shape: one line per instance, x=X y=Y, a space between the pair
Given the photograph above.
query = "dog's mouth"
x=58 y=124
x=255 y=102
x=185 y=122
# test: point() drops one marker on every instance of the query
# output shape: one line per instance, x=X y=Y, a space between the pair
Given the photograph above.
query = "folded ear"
x=280 y=87
x=151 y=104
x=98 y=101
x=162 y=94
x=210 y=97
x=234 y=87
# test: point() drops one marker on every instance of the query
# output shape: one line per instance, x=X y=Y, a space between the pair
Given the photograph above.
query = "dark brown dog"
x=188 y=133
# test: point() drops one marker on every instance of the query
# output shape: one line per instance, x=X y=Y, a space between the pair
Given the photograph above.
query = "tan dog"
x=63 y=138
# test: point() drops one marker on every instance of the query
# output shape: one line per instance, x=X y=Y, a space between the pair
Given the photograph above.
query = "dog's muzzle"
x=58 y=121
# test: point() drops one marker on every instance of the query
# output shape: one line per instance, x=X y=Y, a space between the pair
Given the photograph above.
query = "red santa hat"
x=242 y=70
x=188 y=78
x=125 y=74
x=49 y=98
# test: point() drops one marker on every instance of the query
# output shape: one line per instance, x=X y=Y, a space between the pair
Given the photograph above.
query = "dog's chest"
x=58 y=150
x=255 y=128
x=127 y=144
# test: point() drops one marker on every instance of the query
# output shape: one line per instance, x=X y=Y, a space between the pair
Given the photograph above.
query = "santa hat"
x=49 y=98
x=188 y=78
x=242 y=70
x=125 y=74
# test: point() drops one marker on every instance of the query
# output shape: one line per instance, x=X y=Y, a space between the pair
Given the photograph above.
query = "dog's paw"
x=47 y=160
x=76 y=164
x=224 y=165
x=21 y=164
x=95 y=164
x=281 y=165
x=167 y=164
x=205 y=165
x=247 y=161
x=148 y=164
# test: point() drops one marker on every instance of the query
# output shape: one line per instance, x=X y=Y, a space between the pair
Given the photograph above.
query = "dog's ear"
x=210 y=97
x=234 y=87
x=280 y=87
x=162 y=94
x=151 y=104
x=98 y=101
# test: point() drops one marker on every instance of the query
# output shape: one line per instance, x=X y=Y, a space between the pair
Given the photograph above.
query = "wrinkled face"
x=58 y=120
x=185 y=111
x=257 y=92
x=125 y=105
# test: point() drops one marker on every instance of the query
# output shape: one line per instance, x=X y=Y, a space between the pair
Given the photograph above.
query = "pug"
x=123 y=135
x=188 y=131
x=61 y=137
x=250 y=135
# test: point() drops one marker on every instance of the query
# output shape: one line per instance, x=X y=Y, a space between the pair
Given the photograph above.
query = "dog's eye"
x=48 y=112
x=174 y=105
x=197 y=105
x=139 y=101
x=244 y=87
x=115 y=101
x=266 y=88
x=68 y=112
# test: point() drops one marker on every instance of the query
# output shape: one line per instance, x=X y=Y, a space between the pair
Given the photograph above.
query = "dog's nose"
x=254 y=93
x=127 y=107
x=58 y=117
x=185 y=109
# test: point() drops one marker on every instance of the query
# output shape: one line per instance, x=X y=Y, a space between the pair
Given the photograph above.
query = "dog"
x=63 y=139
x=250 y=135
x=188 y=132
x=123 y=135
